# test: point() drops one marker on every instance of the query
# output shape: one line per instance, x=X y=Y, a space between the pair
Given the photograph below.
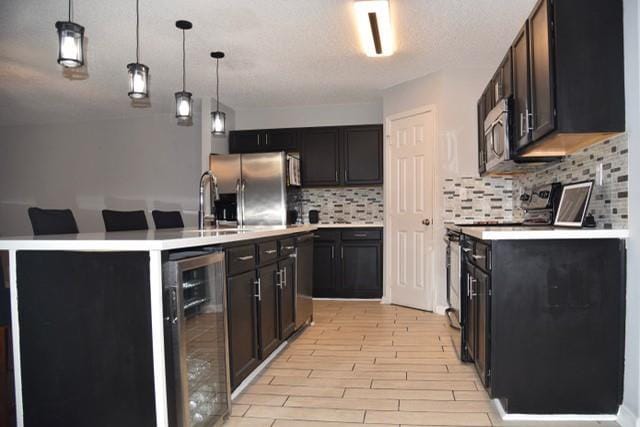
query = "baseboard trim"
x=626 y=417
x=245 y=383
x=441 y=309
x=550 y=417
x=347 y=299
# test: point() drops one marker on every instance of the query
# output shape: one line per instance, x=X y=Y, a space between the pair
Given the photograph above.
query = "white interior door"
x=409 y=152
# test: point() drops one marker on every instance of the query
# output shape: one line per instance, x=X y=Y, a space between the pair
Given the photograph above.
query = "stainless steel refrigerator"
x=253 y=187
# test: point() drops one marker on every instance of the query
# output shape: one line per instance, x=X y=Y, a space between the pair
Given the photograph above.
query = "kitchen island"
x=88 y=321
x=543 y=318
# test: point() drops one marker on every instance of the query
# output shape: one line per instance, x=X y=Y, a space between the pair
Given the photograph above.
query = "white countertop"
x=147 y=240
x=351 y=225
x=538 y=233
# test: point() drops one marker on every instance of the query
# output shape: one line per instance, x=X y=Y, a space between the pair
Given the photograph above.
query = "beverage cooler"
x=196 y=342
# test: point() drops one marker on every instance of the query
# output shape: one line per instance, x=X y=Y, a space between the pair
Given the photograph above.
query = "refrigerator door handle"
x=243 y=187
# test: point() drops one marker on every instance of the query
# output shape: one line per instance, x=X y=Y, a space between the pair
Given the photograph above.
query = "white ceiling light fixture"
x=374 y=26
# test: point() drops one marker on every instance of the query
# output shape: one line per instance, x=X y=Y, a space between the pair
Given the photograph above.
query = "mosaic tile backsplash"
x=609 y=201
x=469 y=200
x=498 y=198
x=341 y=205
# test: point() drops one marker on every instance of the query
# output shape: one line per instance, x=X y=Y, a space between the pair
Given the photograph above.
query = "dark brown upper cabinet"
x=341 y=156
x=262 y=140
x=362 y=155
x=568 y=76
x=320 y=156
x=520 y=80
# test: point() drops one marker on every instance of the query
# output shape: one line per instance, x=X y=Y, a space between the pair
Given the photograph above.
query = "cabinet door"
x=482 y=155
x=279 y=140
x=542 y=119
x=324 y=269
x=245 y=141
x=362 y=155
x=268 y=291
x=480 y=286
x=243 y=326
x=503 y=84
x=287 y=298
x=520 y=58
x=361 y=263
x=320 y=156
x=470 y=320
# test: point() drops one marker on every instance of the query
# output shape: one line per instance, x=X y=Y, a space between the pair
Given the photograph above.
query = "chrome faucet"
x=213 y=191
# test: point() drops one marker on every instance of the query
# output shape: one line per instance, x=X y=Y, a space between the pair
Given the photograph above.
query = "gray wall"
x=308 y=115
x=630 y=412
x=454 y=94
x=138 y=163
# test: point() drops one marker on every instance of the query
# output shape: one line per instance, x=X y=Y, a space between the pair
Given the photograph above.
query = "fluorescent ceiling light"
x=374 y=25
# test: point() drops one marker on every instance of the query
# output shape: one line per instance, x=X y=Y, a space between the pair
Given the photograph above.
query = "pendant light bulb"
x=138 y=73
x=70 y=42
x=184 y=103
x=218 y=126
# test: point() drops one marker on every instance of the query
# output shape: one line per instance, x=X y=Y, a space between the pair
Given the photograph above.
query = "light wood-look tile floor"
x=374 y=364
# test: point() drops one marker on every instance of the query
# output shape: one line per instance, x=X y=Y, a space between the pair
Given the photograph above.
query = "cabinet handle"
x=289 y=248
x=360 y=235
x=279 y=278
x=333 y=254
x=341 y=252
x=521 y=125
x=270 y=251
x=478 y=256
x=472 y=283
x=530 y=121
x=266 y=138
x=245 y=258
x=258 y=136
x=345 y=175
x=259 y=289
x=284 y=277
x=337 y=179
x=466 y=250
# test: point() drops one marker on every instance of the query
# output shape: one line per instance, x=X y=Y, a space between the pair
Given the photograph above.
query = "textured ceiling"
x=279 y=52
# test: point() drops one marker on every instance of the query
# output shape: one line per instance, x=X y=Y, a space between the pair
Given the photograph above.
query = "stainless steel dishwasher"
x=304 y=280
x=196 y=341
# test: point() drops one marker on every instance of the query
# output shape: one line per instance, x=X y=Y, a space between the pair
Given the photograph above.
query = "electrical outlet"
x=599 y=175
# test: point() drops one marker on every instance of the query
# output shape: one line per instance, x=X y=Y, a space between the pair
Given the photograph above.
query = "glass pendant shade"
x=184 y=105
x=70 y=44
x=138 y=81
x=217 y=123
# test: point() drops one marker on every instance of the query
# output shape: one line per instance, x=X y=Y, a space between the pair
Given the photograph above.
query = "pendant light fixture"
x=184 y=103
x=138 y=73
x=70 y=42
x=217 y=117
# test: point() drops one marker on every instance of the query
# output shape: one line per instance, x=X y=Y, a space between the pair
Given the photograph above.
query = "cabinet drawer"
x=287 y=246
x=362 y=234
x=326 y=234
x=267 y=252
x=240 y=259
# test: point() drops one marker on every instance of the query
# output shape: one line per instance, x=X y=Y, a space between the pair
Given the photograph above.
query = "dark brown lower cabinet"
x=348 y=263
x=243 y=325
x=268 y=307
x=261 y=301
x=286 y=297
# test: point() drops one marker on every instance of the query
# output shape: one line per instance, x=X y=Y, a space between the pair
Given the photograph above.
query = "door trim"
x=387 y=256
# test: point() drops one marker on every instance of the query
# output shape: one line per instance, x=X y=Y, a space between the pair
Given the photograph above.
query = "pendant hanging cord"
x=184 y=56
x=217 y=86
x=137 y=31
x=70 y=11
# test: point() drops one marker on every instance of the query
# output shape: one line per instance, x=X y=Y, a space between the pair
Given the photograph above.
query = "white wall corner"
x=626 y=417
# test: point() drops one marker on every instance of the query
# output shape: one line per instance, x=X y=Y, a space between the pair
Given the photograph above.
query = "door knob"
x=426 y=221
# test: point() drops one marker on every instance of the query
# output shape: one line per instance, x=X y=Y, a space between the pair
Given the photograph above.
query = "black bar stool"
x=52 y=221
x=167 y=219
x=124 y=220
